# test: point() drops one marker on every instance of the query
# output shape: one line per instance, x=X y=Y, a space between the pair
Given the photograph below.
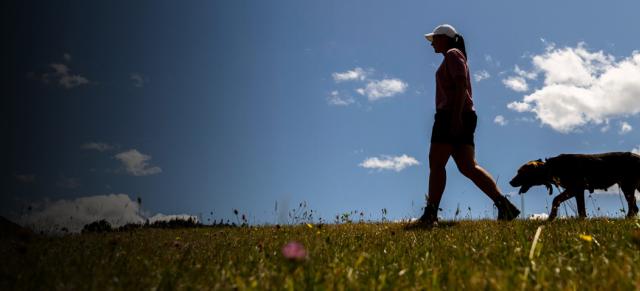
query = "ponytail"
x=458 y=42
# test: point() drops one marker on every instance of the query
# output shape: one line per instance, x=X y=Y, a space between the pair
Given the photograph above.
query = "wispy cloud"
x=397 y=163
x=527 y=75
x=519 y=106
x=491 y=61
x=376 y=90
x=61 y=73
x=373 y=89
x=516 y=83
x=500 y=120
x=136 y=163
x=625 y=128
x=65 y=78
x=337 y=99
x=98 y=146
x=582 y=87
x=481 y=75
x=357 y=74
x=636 y=150
x=138 y=79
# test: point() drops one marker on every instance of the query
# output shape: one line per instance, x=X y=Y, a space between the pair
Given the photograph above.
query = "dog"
x=578 y=172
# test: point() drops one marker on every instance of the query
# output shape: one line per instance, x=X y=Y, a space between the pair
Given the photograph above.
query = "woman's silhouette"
x=454 y=127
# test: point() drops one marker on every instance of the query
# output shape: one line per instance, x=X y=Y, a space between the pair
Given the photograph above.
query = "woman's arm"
x=459 y=95
x=458 y=72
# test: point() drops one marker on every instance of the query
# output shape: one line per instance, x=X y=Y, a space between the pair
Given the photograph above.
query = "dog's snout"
x=514 y=182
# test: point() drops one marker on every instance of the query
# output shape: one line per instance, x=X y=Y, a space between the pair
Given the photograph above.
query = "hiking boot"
x=428 y=219
x=506 y=210
x=430 y=215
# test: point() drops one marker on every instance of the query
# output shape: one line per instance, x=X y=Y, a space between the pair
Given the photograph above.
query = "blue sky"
x=206 y=107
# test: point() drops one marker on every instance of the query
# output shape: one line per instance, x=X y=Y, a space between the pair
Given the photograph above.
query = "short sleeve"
x=456 y=63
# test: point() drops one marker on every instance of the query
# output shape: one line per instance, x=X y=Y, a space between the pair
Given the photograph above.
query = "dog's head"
x=532 y=174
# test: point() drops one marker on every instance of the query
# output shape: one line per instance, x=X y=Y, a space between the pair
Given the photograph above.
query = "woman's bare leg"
x=438 y=158
x=464 y=156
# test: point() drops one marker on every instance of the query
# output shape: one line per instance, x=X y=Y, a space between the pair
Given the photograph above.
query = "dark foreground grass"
x=468 y=255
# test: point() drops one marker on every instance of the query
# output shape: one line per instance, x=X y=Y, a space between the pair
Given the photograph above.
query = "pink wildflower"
x=294 y=251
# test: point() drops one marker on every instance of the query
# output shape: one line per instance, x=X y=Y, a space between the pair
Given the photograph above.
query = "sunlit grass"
x=570 y=254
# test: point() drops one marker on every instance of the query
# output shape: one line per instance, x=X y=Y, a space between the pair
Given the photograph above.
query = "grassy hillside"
x=570 y=254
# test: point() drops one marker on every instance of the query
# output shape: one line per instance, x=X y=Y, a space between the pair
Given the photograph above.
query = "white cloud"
x=373 y=89
x=516 y=83
x=98 y=146
x=61 y=69
x=397 y=163
x=583 y=87
x=481 y=75
x=60 y=73
x=352 y=75
x=74 y=214
x=385 y=88
x=65 y=78
x=522 y=73
x=138 y=79
x=519 y=106
x=636 y=150
x=337 y=99
x=625 y=128
x=500 y=120
x=117 y=209
x=136 y=163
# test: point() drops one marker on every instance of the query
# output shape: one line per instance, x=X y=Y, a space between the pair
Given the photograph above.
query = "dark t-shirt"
x=453 y=66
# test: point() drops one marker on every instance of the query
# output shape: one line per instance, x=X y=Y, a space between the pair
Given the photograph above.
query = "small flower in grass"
x=586 y=237
x=589 y=238
x=294 y=251
x=309 y=225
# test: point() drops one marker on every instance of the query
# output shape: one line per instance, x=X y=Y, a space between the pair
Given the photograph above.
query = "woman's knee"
x=467 y=169
x=438 y=157
x=437 y=162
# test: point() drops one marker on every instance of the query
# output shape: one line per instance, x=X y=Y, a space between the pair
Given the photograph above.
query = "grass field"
x=569 y=255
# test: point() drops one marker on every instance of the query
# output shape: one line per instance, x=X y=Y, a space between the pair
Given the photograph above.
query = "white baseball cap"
x=445 y=29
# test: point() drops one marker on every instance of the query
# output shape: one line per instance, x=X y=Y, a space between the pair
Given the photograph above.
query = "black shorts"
x=441 y=132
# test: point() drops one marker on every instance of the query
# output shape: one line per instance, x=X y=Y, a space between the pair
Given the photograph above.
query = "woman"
x=454 y=127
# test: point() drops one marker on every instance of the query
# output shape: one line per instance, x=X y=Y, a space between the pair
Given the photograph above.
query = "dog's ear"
x=539 y=160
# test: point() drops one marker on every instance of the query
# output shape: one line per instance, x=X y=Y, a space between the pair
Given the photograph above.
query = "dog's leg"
x=629 y=194
x=582 y=211
x=556 y=202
